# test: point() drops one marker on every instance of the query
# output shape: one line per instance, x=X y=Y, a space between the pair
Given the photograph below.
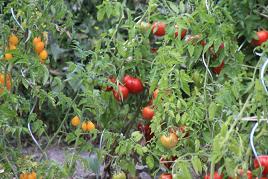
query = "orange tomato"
x=12 y=47
x=90 y=126
x=8 y=56
x=24 y=176
x=75 y=121
x=169 y=141
x=5 y=80
x=13 y=39
x=84 y=126
x=43 y=55
x=32 y=175
x=39 y=47
x=36 y=40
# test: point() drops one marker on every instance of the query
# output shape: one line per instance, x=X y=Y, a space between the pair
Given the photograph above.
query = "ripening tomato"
x=90 y=126
x=13 y=40
x=36 y=40
x=262 y=37
x=165 y=176
x=168 y=161
x=23 y=176
x=183 y=32
x=264 y=163
x=159 y=28
x=43 y=55
x=216 y=176
x=122 y=90
x=5 y=80
x=32 y=175
x=111 y=79
x=218 y=69
x=8 y=56
x=241 y=175
x=75 y=121
x=133 y=84
x=147 y=113
x=144 y=26
x=39 y=47
x=169 y=141
x=12 y=47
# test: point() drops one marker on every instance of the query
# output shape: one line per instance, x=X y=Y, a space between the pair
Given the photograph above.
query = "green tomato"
x=197 y=79
x=120 y=175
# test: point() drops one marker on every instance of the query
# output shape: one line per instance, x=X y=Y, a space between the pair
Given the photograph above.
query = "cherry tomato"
x=169 y=141
x=264 y=163
x=134 y=85
x=216 y=176
x=147 y=113
x=159 y=28
x=155 y=93
x=165 y=176
x=183 y=32
x=195 y=38
x=262 y=37
x=122 y=90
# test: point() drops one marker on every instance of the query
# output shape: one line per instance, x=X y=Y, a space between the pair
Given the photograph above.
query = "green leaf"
x=197 y=165
x=212 y=110
x=150 y=162
x=136 y=136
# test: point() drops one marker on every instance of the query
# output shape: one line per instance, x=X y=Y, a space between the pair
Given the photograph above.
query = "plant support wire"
x=263 y=69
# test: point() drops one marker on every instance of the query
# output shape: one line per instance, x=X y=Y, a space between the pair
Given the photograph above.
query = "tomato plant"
x=164 y=87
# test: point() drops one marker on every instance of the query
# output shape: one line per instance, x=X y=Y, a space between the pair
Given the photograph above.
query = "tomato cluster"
x=13 y=41
x=39 y=47
x=130 y=85
x=86 y=125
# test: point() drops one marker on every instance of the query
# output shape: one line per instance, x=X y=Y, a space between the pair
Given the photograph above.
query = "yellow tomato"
x=13 y=39
x=75 y=121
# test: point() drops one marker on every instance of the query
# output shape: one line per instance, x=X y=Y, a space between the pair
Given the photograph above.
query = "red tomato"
x=122 y=90
x=262 y=37
x=154 y=50
x=165 y=176
x=126 y=79
x=147 y=113
x=264 y=163
x=222 y=46
x=183 y=32
x=112 y=79
x=159 y=28
x=134 y=85
x=168 y=164
x=240 y=174
x=218 y=69
x=216 y=176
